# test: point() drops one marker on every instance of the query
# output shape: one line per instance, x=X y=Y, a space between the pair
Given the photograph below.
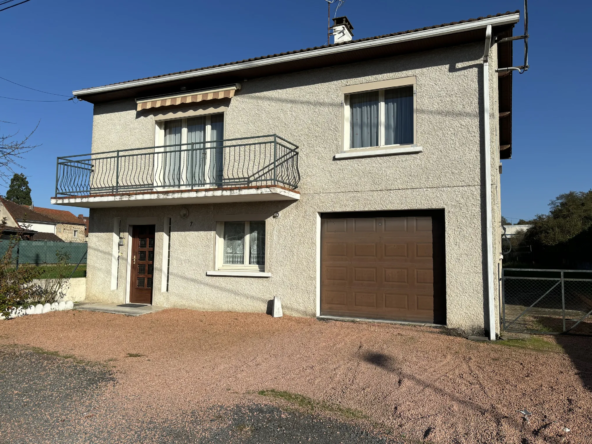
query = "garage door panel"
x=425 y=302
x=336 y=249
x=365 y=299
x=336 y=298
x=336 y=274
x=424 y=250
x=365 y=225
x=396 y=301
x=396 y=275
x=383 y=268
x=364 y=275
x=396 y=224
x=336 y=226
x=423 y=224
x=395 y=250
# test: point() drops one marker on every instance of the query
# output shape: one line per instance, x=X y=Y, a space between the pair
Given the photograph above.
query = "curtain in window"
x=172 y=158
x=399 y=116
x=364 y=119
x=196 y=156
x=217 y=153
x=234 y=243
x=257 y=243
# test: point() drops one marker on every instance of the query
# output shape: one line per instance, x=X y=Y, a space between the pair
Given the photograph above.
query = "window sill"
x=228 y=273
x=374 y=152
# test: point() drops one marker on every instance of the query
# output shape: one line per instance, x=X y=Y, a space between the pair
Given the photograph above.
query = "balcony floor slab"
x=179 y=197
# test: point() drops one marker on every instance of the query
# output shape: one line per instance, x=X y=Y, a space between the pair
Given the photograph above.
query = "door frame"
x=131 y=221
x=433 y=212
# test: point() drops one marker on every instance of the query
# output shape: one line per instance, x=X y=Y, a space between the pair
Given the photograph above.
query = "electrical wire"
x=41 y=101
x=32 y=89
x=9 y=1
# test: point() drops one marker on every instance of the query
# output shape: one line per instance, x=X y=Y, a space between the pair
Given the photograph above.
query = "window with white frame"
x=380 y=118
x=241 y=246
x=193 y=153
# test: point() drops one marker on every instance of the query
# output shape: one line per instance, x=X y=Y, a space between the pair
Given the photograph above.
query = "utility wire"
x=44 y=101
x=10 y=1
x=32 y=89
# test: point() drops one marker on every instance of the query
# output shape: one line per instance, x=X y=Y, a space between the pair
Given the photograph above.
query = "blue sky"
x=63 y=45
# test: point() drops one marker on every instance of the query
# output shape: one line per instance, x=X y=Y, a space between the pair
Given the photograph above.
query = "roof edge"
x=507 y=19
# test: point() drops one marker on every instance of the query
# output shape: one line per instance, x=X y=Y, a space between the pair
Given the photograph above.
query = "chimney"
x=343 y=31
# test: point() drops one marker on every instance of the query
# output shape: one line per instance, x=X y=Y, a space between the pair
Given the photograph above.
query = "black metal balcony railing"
x=253 y=161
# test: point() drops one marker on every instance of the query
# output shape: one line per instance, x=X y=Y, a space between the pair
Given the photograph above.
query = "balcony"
x=263 y=168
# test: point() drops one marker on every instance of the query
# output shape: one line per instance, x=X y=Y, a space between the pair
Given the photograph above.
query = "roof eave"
x=508 y=19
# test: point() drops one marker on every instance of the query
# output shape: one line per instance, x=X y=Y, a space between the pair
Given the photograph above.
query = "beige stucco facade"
x=307 y=108
x=70 y=232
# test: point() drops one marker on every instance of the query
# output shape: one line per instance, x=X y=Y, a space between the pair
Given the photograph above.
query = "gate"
x=547 y=301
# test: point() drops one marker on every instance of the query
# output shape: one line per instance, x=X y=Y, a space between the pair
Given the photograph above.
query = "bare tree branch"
x=12 y=152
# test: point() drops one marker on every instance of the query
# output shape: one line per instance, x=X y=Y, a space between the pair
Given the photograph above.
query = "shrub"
x=17 y=289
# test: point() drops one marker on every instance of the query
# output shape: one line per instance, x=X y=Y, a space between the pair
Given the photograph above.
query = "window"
x=193 y=151
x=75 y=233
x=241 y=245
x=380 y=117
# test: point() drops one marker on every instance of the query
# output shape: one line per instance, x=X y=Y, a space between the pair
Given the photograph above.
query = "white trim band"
x=251 y=274
x=356 y=152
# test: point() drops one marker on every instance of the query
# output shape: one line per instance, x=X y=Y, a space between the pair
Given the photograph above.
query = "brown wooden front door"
x=142 y=264
x=388 y=267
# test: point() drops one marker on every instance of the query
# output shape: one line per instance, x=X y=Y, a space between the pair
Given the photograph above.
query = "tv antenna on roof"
x=329 y=3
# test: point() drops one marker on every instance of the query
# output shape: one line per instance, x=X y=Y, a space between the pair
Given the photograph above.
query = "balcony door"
x=193 y=155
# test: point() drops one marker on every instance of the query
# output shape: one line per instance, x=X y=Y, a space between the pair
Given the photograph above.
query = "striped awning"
x=223 y=92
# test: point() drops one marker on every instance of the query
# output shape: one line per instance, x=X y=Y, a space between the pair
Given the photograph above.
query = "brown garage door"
x=389 y=267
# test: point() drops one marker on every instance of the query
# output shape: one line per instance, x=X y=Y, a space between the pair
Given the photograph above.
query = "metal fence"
x=547 y=301
x=45 y=252
x=252 y=161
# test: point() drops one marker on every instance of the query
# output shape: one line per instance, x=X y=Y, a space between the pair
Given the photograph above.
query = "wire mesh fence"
x=45 y=252
x=547 y=301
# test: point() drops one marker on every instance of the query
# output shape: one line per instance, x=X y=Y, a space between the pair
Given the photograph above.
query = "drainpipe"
x=488 y=216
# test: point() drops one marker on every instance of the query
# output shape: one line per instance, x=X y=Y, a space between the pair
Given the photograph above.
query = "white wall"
x=41 y=228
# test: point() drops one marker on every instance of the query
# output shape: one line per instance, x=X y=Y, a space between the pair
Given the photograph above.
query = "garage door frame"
x=436 y=214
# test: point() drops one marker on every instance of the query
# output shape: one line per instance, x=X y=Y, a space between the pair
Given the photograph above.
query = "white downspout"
x=488 y=216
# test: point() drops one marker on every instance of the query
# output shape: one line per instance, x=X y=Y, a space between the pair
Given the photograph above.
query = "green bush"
x=16 y=285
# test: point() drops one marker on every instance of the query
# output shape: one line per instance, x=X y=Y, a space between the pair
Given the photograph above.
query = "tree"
x=19 y=191
x=505 y=221
x=12 y=151
x=564 y=236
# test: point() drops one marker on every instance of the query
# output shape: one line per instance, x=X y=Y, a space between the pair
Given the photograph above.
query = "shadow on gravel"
x=389 y=364
x=579 y=350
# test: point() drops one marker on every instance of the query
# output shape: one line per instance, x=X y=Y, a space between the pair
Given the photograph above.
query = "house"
x=355 y=180
x=70 y=228
x=42 y=223
x=514 y=230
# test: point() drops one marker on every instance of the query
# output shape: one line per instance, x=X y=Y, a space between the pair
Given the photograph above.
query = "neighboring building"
x=69 y=228
x=85 y=220
x=56 y=225
x=513 y=230
x=370 y=199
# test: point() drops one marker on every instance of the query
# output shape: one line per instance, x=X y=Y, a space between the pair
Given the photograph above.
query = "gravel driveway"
x=185 y=376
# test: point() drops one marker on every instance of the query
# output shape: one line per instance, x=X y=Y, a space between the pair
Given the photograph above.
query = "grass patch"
x=42 y=351
x=533 y=343
x=135 y=355
x=53 y=273
x=311 y=405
